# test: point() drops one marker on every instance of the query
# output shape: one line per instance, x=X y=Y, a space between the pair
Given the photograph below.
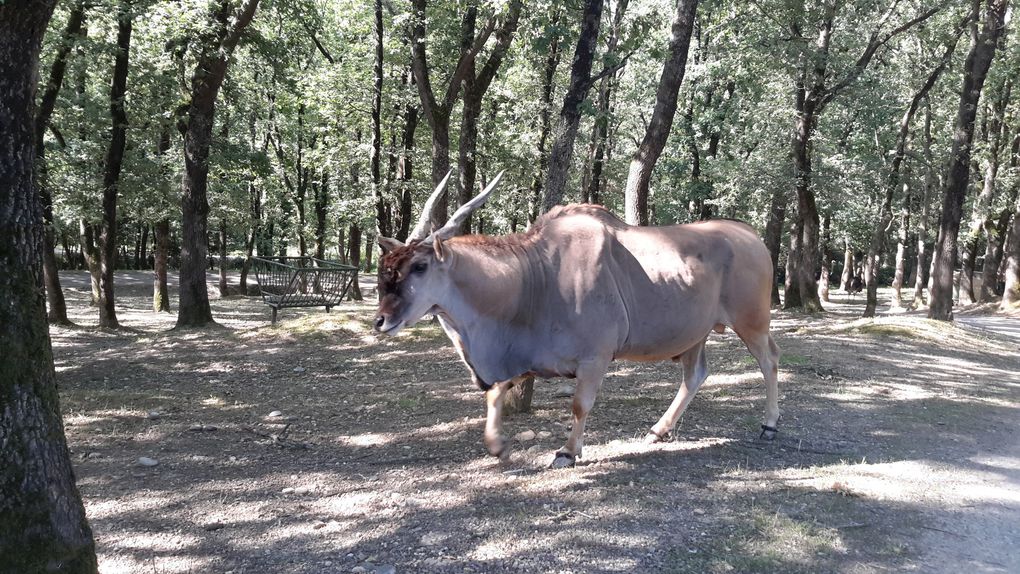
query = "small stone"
x=153 y=415
x=359 y=569
x=93 y=455
x=319 y=524
x=525 y=436
x=299 y=369
x=386 y=569
x=699 y=511
x=146 y=461
x=288 y=490
x=544 y=434
x=432 y=539
x=302 y=490
x=564 y=391
x=213 y=526
x=275 y=414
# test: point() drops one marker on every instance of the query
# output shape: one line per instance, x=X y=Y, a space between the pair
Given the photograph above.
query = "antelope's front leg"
x=494 y=440
x=589 y=379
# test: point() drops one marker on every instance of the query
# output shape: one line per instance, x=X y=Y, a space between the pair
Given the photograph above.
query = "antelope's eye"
x=419 y=267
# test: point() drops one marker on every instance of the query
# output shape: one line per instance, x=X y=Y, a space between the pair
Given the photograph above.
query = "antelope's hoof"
x=563 y=460
x=653 y=437
x=768 y=433
x=499 y=447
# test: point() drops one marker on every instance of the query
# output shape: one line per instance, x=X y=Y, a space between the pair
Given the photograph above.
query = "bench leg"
x=328 y=308
x=274 y=316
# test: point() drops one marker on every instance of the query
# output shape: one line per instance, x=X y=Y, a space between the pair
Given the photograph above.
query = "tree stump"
x=518 y=397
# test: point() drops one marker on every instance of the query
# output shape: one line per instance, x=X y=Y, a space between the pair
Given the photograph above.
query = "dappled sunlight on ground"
x=315 y=446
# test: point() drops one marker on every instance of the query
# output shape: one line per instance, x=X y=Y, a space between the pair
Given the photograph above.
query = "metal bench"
x=292 y=282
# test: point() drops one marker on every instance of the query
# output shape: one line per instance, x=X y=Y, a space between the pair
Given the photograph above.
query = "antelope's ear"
x=388 y=243
x=437 y=246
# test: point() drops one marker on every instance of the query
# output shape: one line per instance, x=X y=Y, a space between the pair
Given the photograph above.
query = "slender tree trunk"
x=978 y=61
x=194 y=309
x=90 y=251
x=901 y=249
x=922 y=231
x=651 y=146
x=382 y=222
x=552 y=62
x=801 y=286
x=993 y=256
x=111 y=175
x=143 y=255
x=160 y=295
x=826 y=266
x=42 y=520
x=223 y=258
x=354 y=259
x=57 y=307
x=591 y=191
x=405 y=166
x=1011 y=295
x=791 y=290
x=570 y=113
x=774 y=237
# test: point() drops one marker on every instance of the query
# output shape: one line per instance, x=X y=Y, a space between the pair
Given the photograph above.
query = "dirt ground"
x=316 y=446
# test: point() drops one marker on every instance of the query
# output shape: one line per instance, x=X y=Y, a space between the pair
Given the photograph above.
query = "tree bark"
x=42 y=520
x=382 y=221
x=651 y=146
x=90 y=251
x=354 y=259
x=1011 y=295
x=921 y=278
x=982 y=51
x=160 y=295
x=224 y=288
x=826 y=264
x=774 y=237
x=111 y=173
x=901 y=249
x=194 y=309
x=552 y=61
x=570 y=113
x=56 y=306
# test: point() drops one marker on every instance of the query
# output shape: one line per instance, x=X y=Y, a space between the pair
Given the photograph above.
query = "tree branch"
x=874 y=44
x=464 y=64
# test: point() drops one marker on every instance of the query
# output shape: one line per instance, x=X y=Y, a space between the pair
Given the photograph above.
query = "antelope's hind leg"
x=695 y=373
x=764 y=349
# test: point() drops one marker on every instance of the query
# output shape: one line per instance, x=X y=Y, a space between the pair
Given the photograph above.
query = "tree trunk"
x=1011 y=295
x=42 y=520
x=801 y=286
x=922 y=232
x=90 y=251
x=826 y=266
x=382 y=221
x=57 y=307
x=651 y=146
x=404 y=166
x=194 y=310
x=160 y=296
x=774 y=238
x=111 y=174
x=223 y=258
x=901 y=249
x=570 y=113
x=552 y=61
x=978 y=61
x=993 y=256
x=354 y=259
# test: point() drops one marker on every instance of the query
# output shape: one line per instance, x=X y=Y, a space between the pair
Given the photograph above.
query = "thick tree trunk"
x=801 y=285
x=570 y=113
x=194 y=310
x=791 y=290
x=651 y=146
x=975 y=70
x=42 y=520
x=111 y=174
x=160 y=296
